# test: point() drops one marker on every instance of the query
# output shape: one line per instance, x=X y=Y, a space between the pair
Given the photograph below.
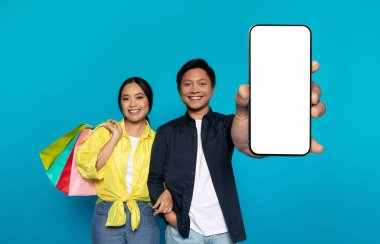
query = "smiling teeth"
x=195 y=98
x=134 y=110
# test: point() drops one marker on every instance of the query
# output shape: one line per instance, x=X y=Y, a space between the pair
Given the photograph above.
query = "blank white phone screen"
x=280 y=73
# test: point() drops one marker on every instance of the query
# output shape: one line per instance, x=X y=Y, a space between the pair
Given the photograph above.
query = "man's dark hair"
x=193 y=64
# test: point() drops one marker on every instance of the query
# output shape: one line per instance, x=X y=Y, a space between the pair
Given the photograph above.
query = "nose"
x=133 y=102
x=194 y=88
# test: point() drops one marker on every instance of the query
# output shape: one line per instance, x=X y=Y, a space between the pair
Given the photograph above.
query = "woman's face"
x=134 y=103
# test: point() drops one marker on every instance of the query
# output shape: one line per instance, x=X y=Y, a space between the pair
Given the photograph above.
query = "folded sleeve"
x=87 y=154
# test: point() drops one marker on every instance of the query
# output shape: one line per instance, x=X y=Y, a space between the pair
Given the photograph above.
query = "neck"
x=198 y=114
x=135 y=129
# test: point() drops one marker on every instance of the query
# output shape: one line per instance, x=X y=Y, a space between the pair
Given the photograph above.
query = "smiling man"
x=191 y=178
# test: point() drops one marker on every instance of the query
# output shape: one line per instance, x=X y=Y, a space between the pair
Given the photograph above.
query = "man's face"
x=196 y=90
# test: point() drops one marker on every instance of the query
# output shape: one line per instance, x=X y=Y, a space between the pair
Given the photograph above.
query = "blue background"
x=62 y=62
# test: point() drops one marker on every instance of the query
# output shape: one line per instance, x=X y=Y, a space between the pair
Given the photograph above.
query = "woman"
x=117 y=157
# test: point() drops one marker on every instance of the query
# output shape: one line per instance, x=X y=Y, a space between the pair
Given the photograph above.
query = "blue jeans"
x=172 y=236
x=147 y=233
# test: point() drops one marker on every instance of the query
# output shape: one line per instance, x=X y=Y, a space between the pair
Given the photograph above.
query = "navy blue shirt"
x=173 y=163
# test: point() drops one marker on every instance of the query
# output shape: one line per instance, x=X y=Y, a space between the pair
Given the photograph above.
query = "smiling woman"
x=117 y=157
x=135 y=99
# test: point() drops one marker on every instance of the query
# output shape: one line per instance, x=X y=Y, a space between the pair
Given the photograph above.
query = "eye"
x=125 y=98
x=186 y=84
x=203 y=84
x=139 y=97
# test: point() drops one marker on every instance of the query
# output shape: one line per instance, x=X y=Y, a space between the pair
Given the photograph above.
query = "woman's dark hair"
x=144 y=85
x=193 y=64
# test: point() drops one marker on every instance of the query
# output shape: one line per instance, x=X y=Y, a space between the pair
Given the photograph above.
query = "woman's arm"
x=104 y=154
x=92 y=155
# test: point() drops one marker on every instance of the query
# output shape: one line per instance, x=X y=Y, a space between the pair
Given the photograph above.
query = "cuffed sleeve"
x=157 y=164
x=87 y=154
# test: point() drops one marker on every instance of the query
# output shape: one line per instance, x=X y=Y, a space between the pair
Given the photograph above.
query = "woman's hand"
x=171 y=218
x=106 y=151
x=164 y=203
x=114 y=127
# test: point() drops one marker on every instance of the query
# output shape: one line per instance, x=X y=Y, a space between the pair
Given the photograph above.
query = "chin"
x=135 y=120
x=196 y=108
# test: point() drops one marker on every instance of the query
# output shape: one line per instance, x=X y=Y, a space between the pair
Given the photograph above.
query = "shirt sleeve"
x=228 y=124
x=87 y=155
x=157 y=164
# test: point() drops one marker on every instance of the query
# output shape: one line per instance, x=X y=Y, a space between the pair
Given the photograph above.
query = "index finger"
x=314 y=66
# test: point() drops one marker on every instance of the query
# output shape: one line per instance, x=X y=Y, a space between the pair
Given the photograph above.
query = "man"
x=191 y=169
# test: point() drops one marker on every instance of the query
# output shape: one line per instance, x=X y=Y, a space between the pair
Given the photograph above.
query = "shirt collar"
x=206 y=116
x=147 y=131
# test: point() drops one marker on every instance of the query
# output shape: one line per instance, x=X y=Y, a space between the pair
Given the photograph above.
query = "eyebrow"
x=201 y=79
x=137 y=94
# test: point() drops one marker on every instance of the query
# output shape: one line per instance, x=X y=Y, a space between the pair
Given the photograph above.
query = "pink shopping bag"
x=78 y=185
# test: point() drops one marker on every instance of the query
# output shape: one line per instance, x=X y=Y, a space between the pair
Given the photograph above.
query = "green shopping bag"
x=55 y=170
x=50 y=154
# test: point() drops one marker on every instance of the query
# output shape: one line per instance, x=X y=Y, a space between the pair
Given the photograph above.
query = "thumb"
x=157 y=203
x=242 y=97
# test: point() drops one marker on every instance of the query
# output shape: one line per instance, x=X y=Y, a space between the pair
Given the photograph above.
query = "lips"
x=134 y=111
x=195 y=98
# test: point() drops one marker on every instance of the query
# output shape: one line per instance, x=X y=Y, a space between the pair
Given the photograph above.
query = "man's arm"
x=240 y=132
x=162 y=199
x=156 y=171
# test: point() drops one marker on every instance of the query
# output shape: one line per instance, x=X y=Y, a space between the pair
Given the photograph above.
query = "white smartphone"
x=280 y=86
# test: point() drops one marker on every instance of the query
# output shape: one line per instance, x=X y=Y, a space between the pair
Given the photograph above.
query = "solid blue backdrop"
x=62 y=62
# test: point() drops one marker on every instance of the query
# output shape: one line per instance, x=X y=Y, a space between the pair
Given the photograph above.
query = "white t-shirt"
x=205 y=214
x=129 y=176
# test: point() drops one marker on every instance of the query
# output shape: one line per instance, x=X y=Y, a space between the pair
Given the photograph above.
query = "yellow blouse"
x=110 y=181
